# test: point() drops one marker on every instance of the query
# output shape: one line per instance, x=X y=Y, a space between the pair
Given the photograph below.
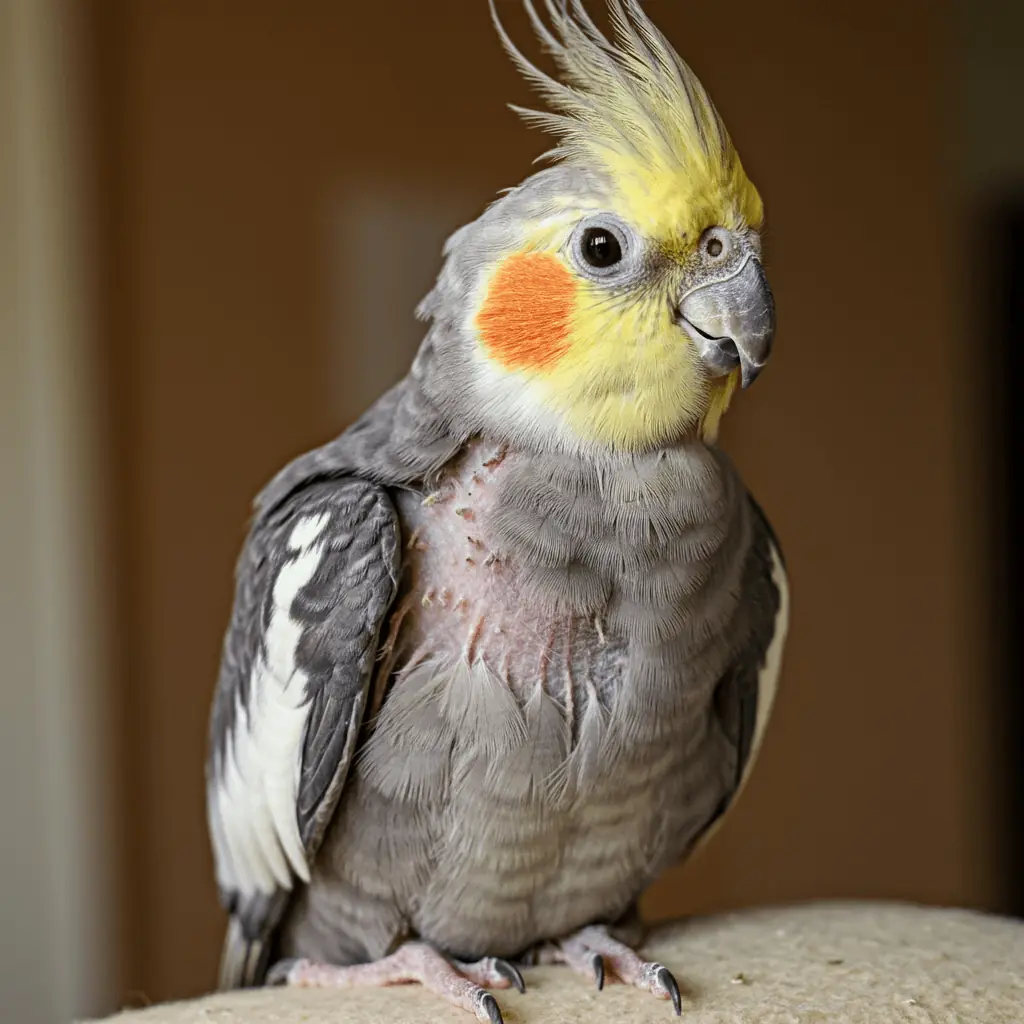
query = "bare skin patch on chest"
x=463 y=596
x=525 y=318
x=463 y=601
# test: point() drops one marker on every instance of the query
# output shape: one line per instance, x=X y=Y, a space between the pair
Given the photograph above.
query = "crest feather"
x=628 y=103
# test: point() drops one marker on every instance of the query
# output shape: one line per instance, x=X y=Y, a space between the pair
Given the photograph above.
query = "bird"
x=505 y=649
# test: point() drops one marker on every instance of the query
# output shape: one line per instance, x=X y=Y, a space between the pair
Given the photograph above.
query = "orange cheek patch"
x=524 y=321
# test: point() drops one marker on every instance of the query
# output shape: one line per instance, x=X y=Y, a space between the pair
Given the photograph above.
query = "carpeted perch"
x=830 y=963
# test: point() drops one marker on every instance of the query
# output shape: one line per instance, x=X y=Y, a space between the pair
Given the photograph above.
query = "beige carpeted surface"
x=820 y=964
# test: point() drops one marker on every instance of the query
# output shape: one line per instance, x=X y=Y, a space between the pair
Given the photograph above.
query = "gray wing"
x=314 y=584
x=746 y=694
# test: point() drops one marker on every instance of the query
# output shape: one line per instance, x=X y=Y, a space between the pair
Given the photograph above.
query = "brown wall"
x=228 y=131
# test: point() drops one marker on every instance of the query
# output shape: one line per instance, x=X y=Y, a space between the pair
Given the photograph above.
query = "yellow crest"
x=631 y=106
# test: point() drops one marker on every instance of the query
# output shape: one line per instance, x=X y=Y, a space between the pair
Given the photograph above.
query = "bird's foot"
x=462 y=984
x=594 y=953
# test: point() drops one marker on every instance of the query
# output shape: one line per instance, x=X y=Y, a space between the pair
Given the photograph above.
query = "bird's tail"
x=243 y=962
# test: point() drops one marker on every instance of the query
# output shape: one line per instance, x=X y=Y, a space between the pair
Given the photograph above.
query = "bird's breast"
x=543 y=740
x=466 y=600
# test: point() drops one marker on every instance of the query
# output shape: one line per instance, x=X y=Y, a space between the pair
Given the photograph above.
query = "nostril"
x=716 y=244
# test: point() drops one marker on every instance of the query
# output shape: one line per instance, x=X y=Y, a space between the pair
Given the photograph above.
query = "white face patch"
x=252 y=808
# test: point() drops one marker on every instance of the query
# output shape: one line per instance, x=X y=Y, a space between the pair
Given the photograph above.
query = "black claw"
x=670 y=986
x=598 y=965
x=490 y=1004
x=510 y=971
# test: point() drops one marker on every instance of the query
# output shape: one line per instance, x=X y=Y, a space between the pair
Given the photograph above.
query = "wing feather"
x=746 y=695
x=313 y=587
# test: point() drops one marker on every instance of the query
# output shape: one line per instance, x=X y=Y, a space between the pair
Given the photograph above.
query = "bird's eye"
x=714 y=247
x=600 y=248
x=604 y=248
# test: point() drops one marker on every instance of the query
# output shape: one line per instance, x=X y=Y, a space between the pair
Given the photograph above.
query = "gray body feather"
x=563 y=698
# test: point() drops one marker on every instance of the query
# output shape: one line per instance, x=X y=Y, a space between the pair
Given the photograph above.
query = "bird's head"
x=616 y=299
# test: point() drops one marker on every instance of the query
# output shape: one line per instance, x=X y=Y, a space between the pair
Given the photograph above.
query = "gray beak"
x=732 y=321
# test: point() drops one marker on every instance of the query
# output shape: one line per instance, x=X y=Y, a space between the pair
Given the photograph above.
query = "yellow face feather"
x=614 y=363
x=616 y=368
x=627 y=378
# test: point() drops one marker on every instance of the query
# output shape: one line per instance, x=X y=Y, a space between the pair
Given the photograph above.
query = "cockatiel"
x=504 y=650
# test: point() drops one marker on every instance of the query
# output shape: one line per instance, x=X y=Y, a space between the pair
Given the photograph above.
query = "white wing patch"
x=307 y=531
x=252 y=809
x=768 y=677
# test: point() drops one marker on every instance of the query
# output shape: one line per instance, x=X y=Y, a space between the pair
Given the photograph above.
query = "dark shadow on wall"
x=1005 y=238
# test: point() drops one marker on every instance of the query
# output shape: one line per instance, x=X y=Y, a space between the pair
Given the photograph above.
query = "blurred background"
x=215 y=221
